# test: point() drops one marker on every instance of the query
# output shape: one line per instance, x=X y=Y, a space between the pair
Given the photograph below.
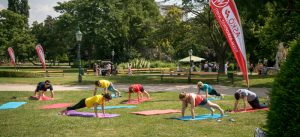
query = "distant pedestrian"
x=129 y=69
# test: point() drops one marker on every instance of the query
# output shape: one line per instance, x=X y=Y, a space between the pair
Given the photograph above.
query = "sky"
x=40 y=9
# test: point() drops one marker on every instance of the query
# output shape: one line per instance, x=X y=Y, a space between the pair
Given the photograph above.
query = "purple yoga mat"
x=90 y=114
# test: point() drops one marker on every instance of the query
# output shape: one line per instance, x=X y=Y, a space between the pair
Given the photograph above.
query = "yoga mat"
x=248 y=110
x=90 y=114
x=42 y=98
x=156 y=112
x=201 y=117
x=114 y=107
x=135 y=101
x=11 y=105
x=58 y=105
x=212 y=99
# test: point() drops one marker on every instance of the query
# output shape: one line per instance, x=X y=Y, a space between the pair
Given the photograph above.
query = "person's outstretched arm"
x=236 y=105
x=105 y=90
x=245 y=100
x=95 y=91
x=192 y=100
x=206 y=92
x=184 y=105
x=96 y=109
x=52 y=93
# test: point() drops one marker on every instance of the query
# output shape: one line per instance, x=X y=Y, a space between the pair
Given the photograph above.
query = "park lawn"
x=72 y=79
x=29 y=120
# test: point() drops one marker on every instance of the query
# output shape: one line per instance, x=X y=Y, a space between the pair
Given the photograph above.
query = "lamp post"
x=112 y=59
x=190 y=54
x=78 y=39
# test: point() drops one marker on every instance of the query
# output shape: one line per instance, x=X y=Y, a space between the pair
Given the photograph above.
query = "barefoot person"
x=93 y=101
x=42 y=87
x=139 y=90
x=197 y=100
x=106 y=85
x=247 y=96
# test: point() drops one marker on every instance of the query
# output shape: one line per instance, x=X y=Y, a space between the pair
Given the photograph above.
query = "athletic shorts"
x=204 y=101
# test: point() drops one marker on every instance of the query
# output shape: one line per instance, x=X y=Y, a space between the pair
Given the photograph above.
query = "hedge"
x=20 y=74
x=284 y=115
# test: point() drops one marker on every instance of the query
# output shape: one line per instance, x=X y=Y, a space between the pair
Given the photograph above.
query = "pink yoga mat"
x=42 y=98
x=89 y=114
x=156 y=112
x=135 y=101
x=248 y=110
x=58 y=105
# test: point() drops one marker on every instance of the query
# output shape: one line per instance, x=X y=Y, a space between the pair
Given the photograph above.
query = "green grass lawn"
x=72 y=79
x=29 y=120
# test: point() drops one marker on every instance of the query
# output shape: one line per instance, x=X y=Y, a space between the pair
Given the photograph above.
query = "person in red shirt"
x=197 y=100
x=138 y=89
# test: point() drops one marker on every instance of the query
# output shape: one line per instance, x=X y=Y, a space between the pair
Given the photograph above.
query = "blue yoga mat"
x=114 y=107
x=201 y=117
x=11 y=105
x=212 y=99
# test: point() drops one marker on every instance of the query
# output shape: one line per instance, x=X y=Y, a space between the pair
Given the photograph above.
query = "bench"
x=185 y=75
x=52 y=73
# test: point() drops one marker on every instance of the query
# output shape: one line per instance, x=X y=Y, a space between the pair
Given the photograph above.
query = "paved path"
x=149 y=87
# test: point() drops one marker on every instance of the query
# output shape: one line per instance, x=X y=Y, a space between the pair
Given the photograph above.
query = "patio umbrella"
x=194 y=58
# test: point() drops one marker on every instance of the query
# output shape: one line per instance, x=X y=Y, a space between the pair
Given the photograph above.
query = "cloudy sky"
x=39 y=9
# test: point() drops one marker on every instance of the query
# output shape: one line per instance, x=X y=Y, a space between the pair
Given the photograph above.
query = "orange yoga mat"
x=135 y=101
x=156 y=112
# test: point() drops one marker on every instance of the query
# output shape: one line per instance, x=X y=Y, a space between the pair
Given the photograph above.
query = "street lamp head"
x=78 y=35
x=190 y=52
x=112 y=53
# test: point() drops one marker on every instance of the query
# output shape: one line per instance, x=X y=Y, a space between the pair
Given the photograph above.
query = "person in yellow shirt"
x=106 y=85
x=93 y=101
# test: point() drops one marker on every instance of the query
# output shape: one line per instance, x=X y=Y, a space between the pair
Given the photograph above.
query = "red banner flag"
x=228 y=17
x=12 y=56
x=40 y=52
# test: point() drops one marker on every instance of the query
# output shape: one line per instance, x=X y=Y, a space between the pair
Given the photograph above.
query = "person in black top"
x=43 y=86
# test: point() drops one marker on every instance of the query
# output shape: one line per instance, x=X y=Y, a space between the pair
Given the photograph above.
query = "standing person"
x=138 y=89
x=208 y=89
x=197 y=100
x=93 y=101
x=129 y=69
x=42 y=88
x=206 y=66
x=106 y=85
x=225 y=67
x=108 y=67
x=251 y=68
x=248 y=96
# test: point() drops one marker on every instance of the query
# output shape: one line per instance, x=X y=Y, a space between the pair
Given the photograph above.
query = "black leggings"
x=80 y=104
x=214 y=92
x=255 y=104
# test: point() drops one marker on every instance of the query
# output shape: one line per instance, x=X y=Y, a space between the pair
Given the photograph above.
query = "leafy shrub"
x=283 y=117
x=20 y=74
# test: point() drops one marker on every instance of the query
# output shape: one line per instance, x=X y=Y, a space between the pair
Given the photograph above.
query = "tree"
x=283 y=117
x=14 y=34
